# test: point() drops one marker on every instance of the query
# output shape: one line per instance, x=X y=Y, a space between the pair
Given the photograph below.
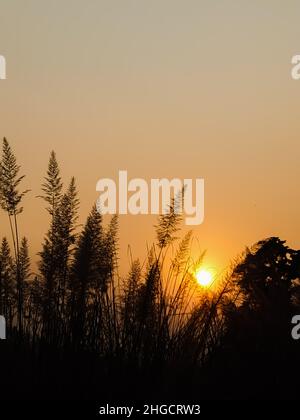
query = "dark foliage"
x=78 y=330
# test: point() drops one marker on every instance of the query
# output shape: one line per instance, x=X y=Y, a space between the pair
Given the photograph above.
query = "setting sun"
x=204 y=277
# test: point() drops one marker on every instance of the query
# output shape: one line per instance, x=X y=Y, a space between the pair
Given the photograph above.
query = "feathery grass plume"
x=148 y=310
x=174 y=291
x=153 y=326
x=108 y=287
x=52 y=186
x=110 y=250
x=10 y=201
x=52 y=189
x=180 y=259
x=86 y=272
x=102 y=315
x=130 y=306
x=10 y=197
x=65 y=218
x=179 y=267
x=168 y=223
x=55 y=259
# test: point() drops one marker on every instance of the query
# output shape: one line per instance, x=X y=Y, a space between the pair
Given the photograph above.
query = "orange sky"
x=162 y=89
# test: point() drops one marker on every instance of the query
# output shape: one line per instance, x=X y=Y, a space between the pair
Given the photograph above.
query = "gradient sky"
x=160 y=88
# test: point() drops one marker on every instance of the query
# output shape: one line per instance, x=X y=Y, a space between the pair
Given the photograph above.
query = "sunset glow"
x=204 y=277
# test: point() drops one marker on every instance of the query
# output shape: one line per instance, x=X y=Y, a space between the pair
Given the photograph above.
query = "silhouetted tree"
x=258 y=340
x=267 y=273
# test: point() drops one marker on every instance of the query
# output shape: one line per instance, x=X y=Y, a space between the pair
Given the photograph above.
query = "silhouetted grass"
x=79 y=330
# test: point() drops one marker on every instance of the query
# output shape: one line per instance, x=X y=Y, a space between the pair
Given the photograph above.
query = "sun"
x=204 y=277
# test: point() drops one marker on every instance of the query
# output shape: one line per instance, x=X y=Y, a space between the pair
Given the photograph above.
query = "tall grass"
x=155 y=315
x=153 y=320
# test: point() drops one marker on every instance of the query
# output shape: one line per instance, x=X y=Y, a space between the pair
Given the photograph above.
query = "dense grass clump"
x=78 y=330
